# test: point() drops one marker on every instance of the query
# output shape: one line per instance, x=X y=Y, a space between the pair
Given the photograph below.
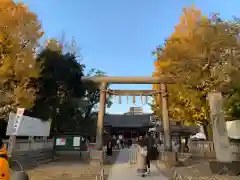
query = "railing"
x=101 y=176
x=207 y=146
x=206 y=149
x=132 y=157
x=201 y=146
x=25 y=145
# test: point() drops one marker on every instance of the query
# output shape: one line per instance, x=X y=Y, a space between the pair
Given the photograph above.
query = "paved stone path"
x=122 y=170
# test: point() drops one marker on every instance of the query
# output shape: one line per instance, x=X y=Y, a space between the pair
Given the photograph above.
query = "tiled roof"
x=134 y=121
x=116 y=120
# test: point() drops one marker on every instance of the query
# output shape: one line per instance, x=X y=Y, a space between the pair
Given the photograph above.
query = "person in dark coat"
x=129 y=142
x=150 y=142
x=109 y=148
x=155 y=152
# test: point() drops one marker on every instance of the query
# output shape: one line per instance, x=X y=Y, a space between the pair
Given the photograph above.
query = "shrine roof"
x=143 y=120
x=131 y=121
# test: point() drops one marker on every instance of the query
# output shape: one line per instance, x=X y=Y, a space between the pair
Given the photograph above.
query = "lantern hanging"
x=146 y=99
x=119 y=100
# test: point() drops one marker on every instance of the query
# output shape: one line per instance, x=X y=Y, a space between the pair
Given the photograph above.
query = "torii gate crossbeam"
x=128 y=79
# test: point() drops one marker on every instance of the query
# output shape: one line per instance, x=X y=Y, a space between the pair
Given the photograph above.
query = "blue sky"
x=119 y=36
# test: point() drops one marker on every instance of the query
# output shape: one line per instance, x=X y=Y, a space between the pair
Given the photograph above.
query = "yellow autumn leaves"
x=193 y=56
x=20 y=32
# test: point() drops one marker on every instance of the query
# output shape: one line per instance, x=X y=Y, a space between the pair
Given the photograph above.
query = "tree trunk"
x=205 y=130
x=209 y=131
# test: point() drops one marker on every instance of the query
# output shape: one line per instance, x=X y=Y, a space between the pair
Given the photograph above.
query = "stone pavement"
x=122 y=170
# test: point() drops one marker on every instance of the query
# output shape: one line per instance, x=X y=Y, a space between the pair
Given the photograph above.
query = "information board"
x=27 y=126
x=68 y=143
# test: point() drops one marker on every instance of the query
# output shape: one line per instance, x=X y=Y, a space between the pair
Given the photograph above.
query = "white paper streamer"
x=119 y=100
x=134 y=99
x=146 y=99
x=141 y=98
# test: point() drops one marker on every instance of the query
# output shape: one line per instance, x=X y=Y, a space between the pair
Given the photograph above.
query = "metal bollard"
x=129 y=157
x=102 y=175
x=132 y=157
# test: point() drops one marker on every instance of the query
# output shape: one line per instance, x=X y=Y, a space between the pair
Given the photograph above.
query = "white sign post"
x=17 y=121
x=15 y=126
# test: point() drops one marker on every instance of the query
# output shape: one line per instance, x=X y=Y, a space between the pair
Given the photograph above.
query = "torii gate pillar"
x=101 y=113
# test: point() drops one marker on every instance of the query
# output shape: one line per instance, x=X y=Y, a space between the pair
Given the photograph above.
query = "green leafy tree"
x=60 y=87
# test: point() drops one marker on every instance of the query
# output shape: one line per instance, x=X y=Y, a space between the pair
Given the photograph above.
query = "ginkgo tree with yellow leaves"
x=20 y=32
x=200 y=55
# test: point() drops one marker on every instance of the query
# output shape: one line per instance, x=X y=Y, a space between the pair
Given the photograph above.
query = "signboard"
x=27 y=126
x=76 y=141
x=17 y=121
x=60 y=141
x=68 y=143
x=153 y=119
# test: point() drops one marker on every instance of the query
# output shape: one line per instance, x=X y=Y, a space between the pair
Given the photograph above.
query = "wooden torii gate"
x=105 y=80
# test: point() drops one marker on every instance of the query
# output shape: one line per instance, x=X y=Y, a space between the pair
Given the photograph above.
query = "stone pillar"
x=11 y=147
x=220 y=136
x=166 y=123
x=100 y=122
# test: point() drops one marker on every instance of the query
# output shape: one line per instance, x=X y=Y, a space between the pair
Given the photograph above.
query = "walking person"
x=155 y=147
x=149 y=142
x=4 y=166
x=114 y=141
x=141 y=157
x=109 y=150
x=118 y=144
x=121 y=141
x=129 y=143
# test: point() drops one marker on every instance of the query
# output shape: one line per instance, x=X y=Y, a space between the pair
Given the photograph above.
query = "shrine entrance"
x=220 y=136
x=161 y=93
